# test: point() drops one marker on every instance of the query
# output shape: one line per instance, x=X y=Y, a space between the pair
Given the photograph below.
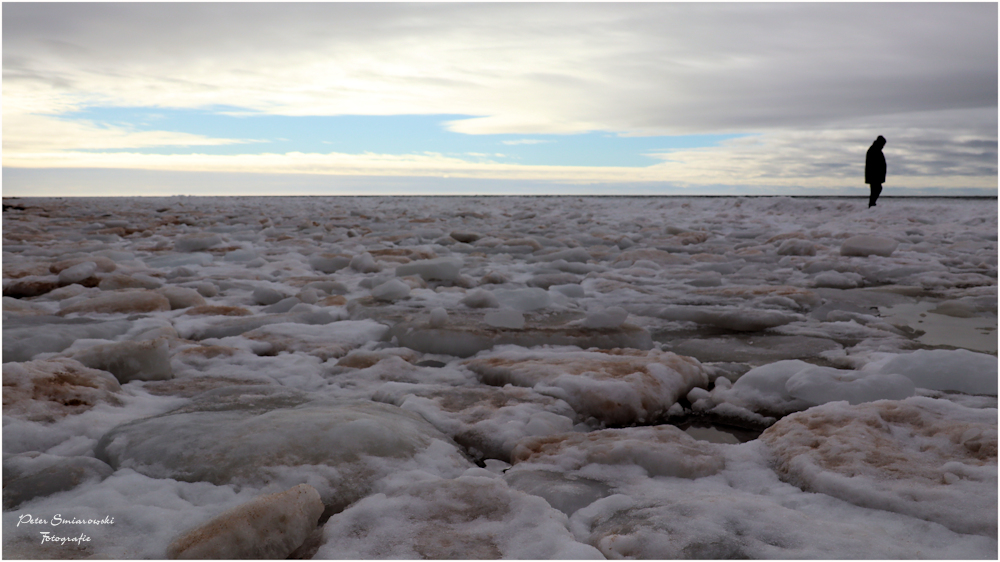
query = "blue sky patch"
x=383 y=134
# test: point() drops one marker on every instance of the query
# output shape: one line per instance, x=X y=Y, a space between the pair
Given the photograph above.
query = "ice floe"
x=512 y=377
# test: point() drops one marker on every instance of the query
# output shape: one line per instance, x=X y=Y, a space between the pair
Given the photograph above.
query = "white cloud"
x=525 y=141
x=813 y=81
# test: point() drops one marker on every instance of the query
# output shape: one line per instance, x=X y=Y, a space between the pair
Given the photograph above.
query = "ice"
x=30 y=475
x=443 y=269
x=364 y=263
x=439 y=317
x=523 y=300
x=764 y=389
x=480 y=299
x=897 y=456
x=641 y=316
x=660 y=450
x=254 y=439
x=134 y=281
x=125 y=301
x=181 y=297
x=868 y=246
x=325 y=341
x=487 y=421
x=197 y=242
x=329 y=263
x=618 y=386
x=391 y=290
x=474 y=516
x=199 y=330
x=611 y=317
x=740 y=320
x=819 y=385
x=77 y=273
x=940 y=369
x=510 y=319
x=129 y=360
x=49 y=389
x=266 y=295
x=25 y=338
x=270 y=526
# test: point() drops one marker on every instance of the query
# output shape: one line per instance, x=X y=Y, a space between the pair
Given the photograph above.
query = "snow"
x=269 y=526
x=868 y=246
x=501 y=377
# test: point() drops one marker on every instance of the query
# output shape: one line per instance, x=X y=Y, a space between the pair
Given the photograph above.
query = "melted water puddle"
x=977 y=333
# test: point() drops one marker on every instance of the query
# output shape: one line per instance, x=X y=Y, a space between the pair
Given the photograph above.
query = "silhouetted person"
x=875 y=169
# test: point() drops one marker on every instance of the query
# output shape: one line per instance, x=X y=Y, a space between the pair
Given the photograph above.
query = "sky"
x=497 y=98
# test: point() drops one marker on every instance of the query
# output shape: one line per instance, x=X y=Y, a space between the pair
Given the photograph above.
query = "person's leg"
x=876 y=190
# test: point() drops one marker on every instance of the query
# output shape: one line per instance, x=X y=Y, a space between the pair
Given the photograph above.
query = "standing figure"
x=875 y=169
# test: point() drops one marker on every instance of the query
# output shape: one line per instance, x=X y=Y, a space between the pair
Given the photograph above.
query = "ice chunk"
x=468 y=334
x=341 y=448
x=896 y=456
x=49 y=389
x=134 y=281
x=24 y=338
x=284 y=305
x=329 y=263
x=547 y=280
x=480 y=299
x=868 y=246
x=30 y=475
x=763 y=389
x=523 y=299
x=572 y=290
x=170 y=261
x=469 y=517
x=820 y=385
x=325 y=341
x=270 y=526
x=610 y=317
x=577 y=255
x=661 y=450
x=364 y=263
x=438 y=318
x=125 y=301
x=797 y=247
x=941 y=369
x=508 y=319
x=266 y=295
x=620 y=386
x=198 y=330
x=465 y=236
x=240 y=256
x=130 y=360
x=391 y=290
x=28 y=287
x=104 y=264
x=197 y=242
x=77 y=273
x=181 y=297
x=836 y=280
x=487 y=421
x=739 y=320
x=443 y=269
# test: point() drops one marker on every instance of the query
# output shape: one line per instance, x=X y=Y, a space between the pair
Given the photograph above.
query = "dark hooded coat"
x=875 y=163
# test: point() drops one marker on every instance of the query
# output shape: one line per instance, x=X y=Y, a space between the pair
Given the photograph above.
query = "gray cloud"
x=925 y=75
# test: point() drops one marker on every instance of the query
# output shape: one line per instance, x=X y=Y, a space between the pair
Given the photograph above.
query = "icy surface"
x=270 y=526
x=169 y=360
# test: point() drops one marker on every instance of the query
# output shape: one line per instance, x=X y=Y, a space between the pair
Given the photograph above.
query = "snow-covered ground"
x=461 y=377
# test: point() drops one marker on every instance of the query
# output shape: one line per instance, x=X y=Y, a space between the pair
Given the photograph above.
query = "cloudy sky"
x=647 y=98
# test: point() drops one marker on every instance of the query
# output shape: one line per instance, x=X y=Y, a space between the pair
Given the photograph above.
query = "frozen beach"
x=499 y=377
